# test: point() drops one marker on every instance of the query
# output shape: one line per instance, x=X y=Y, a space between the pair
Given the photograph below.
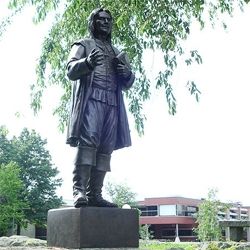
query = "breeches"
x=97 y=135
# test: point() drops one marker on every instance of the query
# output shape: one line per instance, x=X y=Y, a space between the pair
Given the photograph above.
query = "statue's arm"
x=128 y=82
x=77 y=65
x=126 y=75
x=123 y=69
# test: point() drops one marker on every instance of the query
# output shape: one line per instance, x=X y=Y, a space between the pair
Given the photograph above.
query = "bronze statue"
x=98 y=122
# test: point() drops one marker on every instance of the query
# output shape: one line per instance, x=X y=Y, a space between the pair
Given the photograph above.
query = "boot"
x=94 y=193
x=81 y=175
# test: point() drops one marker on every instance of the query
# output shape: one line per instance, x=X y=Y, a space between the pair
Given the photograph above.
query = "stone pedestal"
x=92 y=227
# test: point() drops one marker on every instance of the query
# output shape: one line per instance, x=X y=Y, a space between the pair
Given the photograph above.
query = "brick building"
x=170 y=217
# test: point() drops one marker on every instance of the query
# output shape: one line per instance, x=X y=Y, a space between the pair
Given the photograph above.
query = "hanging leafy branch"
x=138 y=25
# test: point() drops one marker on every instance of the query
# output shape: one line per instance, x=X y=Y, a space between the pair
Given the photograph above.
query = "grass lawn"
x=214 y=245
x=157 y=245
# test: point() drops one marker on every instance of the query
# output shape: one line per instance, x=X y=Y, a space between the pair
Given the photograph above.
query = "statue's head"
x=100 y=22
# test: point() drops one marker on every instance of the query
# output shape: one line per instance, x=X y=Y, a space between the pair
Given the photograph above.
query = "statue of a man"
x=98 y=122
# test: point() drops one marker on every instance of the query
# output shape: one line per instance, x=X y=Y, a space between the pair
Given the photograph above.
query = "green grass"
x=157 y=245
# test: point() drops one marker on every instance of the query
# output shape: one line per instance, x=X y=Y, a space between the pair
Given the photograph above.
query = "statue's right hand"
x=95 y=58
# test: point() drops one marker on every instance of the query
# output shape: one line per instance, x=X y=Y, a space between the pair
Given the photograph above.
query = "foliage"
x=36 y=172
x=208 y=222
x=11 y=206
x=138 y=25
x=159 y=245
x=212 y=246
x=145 y=233
x=121 y=194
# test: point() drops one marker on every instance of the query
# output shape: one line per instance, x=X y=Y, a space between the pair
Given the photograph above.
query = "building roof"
x=170 y=201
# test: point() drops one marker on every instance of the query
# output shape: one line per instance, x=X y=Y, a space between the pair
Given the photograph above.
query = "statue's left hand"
x=123 y=71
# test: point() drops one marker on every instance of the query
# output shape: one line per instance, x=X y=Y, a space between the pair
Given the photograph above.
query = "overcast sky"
x=205 y=145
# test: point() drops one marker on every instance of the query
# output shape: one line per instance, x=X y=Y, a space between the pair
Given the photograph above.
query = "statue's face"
x=103 y=23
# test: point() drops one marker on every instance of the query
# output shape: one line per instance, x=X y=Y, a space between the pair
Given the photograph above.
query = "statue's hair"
x=92 y=19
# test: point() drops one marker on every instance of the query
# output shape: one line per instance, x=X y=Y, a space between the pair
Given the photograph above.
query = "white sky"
x=204 y=146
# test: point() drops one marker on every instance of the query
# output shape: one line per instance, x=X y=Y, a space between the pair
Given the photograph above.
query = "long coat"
x=82 y=77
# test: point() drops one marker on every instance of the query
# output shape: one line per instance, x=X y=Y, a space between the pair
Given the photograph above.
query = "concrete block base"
x=93 y=227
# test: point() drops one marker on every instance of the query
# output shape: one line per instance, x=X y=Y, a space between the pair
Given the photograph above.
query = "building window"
x=149 y=211
x=168 y=232
x=185 y=232
x=169 y=210
x=183 y=210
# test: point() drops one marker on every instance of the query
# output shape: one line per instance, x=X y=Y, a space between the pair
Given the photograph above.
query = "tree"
x=138 y=25
x=36 y=172
x=11 y=206
x=121 y=194
x=208 y=222
x=145 y=232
